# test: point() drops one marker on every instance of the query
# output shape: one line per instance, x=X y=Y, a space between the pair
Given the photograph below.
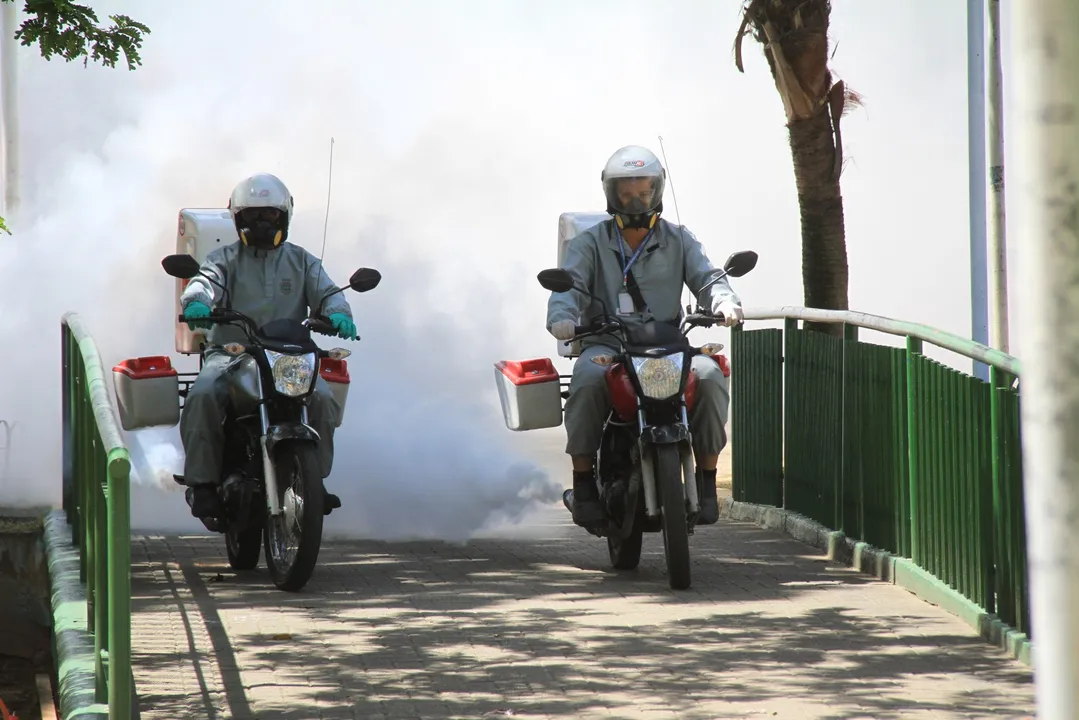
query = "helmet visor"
x=255 y=214
x=634 y=195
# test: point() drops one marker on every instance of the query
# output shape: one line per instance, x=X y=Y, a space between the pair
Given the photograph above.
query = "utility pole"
x=979 y=267
x=1046 y=57
x=9 y=96
x=998 y=247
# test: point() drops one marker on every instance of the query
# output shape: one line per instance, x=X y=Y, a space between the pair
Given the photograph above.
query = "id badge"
x=625 y=304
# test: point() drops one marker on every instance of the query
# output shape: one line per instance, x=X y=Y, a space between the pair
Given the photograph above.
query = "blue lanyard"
x=622 y=251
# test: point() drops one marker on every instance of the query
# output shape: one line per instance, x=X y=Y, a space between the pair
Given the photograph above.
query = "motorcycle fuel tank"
x=244 y=384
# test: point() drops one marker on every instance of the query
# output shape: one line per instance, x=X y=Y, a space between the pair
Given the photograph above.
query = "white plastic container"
x=200 y=232
x=571 y=225
x=147 y=392
x=529 y=392
x=335 y=373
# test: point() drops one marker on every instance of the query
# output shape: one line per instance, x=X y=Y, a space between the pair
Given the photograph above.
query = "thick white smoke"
x=461 y=134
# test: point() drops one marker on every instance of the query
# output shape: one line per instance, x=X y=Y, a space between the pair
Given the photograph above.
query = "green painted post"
x=790 y=327
x=847 y=483
x=88 y=511
x=119 y=572
x=101 y=583
x=998 y=541
x=914 y=352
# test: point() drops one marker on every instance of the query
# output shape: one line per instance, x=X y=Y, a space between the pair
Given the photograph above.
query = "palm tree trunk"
x=794 y=34
x=824 y=248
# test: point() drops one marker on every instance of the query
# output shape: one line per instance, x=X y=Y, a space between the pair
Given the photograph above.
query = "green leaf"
x=70 y=30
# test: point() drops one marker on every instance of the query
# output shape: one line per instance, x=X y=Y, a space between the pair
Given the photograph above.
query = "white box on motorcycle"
x=147 y=392
x=200 y=231
x=570 y=225
x=530 y=393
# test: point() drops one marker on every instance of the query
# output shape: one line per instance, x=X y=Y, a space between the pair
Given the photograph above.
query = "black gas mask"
x=262 y=228
x=635 y=215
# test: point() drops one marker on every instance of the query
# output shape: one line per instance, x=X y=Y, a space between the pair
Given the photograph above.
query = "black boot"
x=706 y=494
x=330 y=502
x=584 y=500
x=205 y=502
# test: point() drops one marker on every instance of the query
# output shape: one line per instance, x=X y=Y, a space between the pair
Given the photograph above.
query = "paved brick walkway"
x=540 y=628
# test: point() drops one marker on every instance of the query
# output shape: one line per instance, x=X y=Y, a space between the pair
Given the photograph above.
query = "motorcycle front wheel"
x=675 y=525
x=293 y=538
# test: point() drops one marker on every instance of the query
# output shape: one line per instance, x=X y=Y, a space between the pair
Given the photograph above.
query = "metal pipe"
x=979 y=270
x=940 y=338
x=1046 y=165
x=9 y=96
x=998 y=247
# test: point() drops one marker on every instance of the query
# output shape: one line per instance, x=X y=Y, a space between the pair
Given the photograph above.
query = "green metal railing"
x=97 y=502
x=887 y=445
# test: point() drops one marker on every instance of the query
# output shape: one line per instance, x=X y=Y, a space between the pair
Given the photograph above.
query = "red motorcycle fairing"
x=624 y=397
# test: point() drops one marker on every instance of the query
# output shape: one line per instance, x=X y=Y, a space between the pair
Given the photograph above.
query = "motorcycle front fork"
x=269 y=472
x=648 y=470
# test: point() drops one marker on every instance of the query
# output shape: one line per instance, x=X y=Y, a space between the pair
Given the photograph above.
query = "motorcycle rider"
x=267 y=279
x=637 y=263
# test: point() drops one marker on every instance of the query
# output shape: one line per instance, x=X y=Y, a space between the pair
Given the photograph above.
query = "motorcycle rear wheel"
x=243 y=547
x=293 y=538
x=625 y=553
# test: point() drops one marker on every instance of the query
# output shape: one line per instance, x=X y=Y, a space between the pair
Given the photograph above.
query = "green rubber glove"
x=344 y=326
x=193 y=312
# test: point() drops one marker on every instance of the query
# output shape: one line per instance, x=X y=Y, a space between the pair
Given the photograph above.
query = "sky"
x=459 y=138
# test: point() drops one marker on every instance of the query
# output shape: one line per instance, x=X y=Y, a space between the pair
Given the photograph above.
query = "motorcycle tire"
x=297 y=470
x=243 y=547
x=625 y=553
x=675 y=525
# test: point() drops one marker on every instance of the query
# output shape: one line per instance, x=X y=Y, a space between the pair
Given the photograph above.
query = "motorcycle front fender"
x=671 y=434
x=293 y=431
x=665 y=434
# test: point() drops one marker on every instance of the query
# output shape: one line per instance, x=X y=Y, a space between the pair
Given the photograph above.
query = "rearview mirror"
x=365 y=279
x=740 y=263
x=183 y=267
x=555 y=280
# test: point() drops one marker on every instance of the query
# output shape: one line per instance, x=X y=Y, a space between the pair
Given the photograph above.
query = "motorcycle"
x=272 y=490
x=646 y=448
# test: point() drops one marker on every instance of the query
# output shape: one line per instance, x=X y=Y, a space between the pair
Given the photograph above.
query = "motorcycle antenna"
x=677 y=215
x=325 y=223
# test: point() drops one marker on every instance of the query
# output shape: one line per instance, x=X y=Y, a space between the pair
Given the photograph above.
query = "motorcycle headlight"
x=660 y=378
x=292 y=374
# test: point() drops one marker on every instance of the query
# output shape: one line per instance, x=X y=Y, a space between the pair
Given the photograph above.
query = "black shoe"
x=583 y=501
x=330 y=502
x=205 y=502
x=706 y=493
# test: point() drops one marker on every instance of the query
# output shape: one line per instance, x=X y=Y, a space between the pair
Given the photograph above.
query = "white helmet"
x=634 y=204
x=261 y=208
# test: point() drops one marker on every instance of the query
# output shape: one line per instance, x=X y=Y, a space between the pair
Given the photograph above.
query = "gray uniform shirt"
x=670 y=257
x=265 y=285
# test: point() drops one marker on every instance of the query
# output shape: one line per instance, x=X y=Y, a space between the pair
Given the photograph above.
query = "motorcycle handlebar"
x=704 y=320
x=315 y=324
x=320 y=325
x=694 y=320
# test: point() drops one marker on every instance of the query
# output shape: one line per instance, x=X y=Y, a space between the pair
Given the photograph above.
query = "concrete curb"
x=884 y=566
x=73 y=645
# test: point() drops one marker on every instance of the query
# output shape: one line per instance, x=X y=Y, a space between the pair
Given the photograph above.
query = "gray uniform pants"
x=589 y=404
x=202 y=421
